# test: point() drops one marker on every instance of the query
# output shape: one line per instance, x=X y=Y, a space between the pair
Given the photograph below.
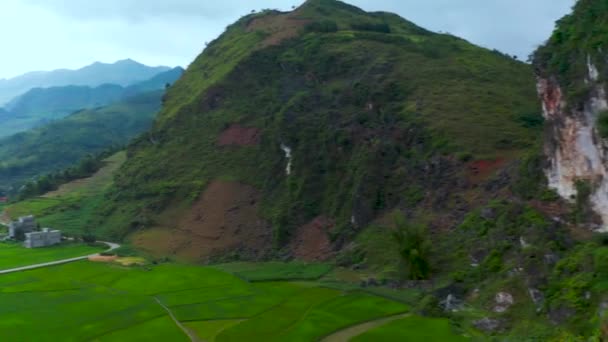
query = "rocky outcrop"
x=573 y=146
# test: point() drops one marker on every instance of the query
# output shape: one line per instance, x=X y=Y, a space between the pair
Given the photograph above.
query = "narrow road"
x=112 y=246
x=191 y=335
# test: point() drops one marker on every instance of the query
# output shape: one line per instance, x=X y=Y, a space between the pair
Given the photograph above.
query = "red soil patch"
x=484 y=168
x=237 y=135
x=551 y=95
x=224 y=219
x=311 y=242
x=280 y=27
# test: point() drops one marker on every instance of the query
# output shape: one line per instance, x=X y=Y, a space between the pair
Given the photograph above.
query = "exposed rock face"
x=488 y=325
x=573 y=145
x=504 y=301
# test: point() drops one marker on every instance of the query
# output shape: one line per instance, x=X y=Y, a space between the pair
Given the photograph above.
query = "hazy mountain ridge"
x=64 y=142
x=124 y=73
x=43 y=105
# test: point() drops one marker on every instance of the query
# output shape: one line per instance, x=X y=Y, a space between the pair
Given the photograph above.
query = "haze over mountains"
x=47 y=129
x=124 y=73
x=42 y=105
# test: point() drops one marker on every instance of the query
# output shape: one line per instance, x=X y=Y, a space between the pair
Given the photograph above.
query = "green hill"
x=374 y=109
x=64 y=142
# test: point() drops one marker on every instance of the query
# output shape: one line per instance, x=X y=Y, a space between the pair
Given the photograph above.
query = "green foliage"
x=276 y=271
x=345 y=161
x=414 y=248
x=582 y=207
x=530 y=181
x=577 y=39
x=531 y=120
x=126 y=251
x=46 y=183
x=602 y=124
x=374 y=27
x=14 y=255
x=325 y=26
x=89 y=238
x=413 y=329
x=493 y=262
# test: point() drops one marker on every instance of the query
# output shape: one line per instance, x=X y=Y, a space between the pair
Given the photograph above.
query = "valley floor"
x=86 y=301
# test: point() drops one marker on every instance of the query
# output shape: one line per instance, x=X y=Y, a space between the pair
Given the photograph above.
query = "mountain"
x=64 y=142
x=123 y=73
x=328 y=111
x=42 y=105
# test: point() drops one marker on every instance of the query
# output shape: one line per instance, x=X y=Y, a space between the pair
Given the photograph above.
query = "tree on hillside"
x=414 y=248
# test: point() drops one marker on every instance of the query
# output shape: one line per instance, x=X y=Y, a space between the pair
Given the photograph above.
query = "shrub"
x=324 y=26
x=89 y=238
x=414 y=248
x=602 y=124
x=381 y=27
x=583 y=192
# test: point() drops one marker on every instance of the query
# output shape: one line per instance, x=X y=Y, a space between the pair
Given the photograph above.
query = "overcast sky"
x=51 y=34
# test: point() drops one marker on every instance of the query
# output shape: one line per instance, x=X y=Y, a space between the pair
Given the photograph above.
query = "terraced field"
x=86 y=301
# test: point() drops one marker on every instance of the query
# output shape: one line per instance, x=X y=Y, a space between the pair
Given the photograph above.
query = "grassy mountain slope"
x=369 y=115
x=64 y=142
x=72 y=206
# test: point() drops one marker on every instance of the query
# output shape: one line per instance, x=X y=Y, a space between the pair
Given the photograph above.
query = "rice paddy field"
x=13 y=255
x=85 y=301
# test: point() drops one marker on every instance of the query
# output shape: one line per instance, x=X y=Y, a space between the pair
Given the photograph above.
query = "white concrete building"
x=46 y=237
x=26 y=224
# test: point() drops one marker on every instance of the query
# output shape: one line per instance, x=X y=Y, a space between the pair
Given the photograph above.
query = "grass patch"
x=275 y=271
x=14 y=255
x=413 y=329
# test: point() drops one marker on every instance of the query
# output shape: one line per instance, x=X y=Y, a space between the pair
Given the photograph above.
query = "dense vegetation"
x=364 y=112
x=56 y=146
x=577 y=40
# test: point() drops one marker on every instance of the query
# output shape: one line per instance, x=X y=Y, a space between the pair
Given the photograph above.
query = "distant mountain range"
x=63 y=142
x=124 y=73
x=41 y=105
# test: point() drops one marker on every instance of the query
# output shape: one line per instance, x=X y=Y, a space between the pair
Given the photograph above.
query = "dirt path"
x=112 y=246
x=4 y=219
x=186 y=331
x=345 y=335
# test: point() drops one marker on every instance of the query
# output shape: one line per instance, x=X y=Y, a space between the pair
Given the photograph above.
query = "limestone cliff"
x=574 y=149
